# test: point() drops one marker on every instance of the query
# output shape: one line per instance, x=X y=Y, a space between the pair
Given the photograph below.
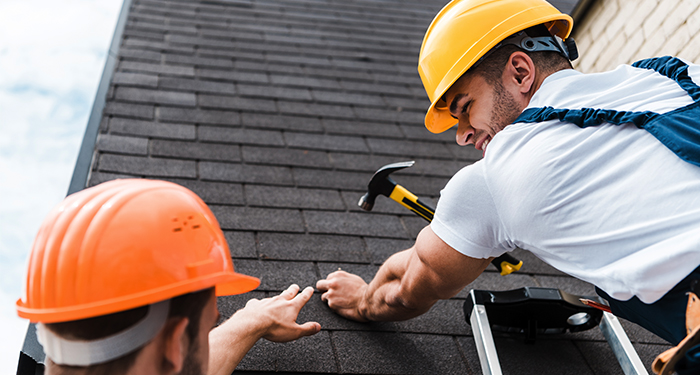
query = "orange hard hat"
x=124 y=244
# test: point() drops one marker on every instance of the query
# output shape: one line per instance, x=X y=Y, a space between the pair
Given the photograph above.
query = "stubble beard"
x=192 y=364
x=505 y=109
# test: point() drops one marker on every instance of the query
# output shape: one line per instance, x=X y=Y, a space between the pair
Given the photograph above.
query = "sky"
x=52 y=53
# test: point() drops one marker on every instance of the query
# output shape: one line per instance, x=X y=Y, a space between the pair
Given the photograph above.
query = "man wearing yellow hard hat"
x=596 y=174
x=123 y=279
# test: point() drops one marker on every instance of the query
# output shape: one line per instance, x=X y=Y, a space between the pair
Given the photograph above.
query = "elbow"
x=406 y=301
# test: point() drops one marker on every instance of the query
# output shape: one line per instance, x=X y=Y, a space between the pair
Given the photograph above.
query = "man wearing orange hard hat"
x=123 y=279
x=595 y=174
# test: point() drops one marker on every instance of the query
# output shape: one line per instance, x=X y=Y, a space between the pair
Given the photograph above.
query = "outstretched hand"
x=344 y=292
x=275 y=317
x=272 y=318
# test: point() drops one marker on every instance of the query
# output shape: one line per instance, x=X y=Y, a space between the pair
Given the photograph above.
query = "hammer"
x=382 y=184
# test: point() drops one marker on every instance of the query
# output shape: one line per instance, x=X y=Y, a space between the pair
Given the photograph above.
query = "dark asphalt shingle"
x=267 y=121
x=241 y=244
x=125 y=126
x=311 y=247
x=397 y=353
x=198 y=116
x=240 y=136
x=130 y=110
x=290 y=197
x=194 y=85
x=195 y=150
x=245 y=173
x=146 y=166
x=277 y=114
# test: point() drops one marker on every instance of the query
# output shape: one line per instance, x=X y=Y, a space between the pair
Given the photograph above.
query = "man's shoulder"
x=626 y=88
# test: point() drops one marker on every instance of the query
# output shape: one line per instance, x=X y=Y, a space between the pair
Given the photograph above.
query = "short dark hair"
x=188 y=306
x=492 y=66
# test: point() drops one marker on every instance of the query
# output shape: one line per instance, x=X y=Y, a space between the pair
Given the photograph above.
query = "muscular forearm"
x=390 y=296
x=407 y=285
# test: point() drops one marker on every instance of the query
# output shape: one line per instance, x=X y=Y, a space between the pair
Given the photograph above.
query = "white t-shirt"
x=607 y=204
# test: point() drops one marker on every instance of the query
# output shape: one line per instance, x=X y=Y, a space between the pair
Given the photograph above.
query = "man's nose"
x=464 y=134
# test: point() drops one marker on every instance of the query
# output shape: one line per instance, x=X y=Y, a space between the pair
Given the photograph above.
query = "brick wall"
x=616 y=32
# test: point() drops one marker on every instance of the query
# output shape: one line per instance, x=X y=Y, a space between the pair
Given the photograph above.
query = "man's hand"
x=275 y=318
x=272 y=318
x=344 y=293
x=407 y=284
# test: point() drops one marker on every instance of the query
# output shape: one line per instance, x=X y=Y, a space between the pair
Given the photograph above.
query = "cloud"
x=52 y=54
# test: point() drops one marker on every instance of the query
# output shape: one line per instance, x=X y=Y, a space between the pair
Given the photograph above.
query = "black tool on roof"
x=540 y=311
x=536 y=311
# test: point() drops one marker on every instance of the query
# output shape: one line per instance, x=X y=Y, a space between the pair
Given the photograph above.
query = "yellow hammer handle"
x=410 y=201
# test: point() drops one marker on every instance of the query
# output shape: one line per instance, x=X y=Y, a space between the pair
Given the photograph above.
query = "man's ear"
x=176 y=344
x=520 y=71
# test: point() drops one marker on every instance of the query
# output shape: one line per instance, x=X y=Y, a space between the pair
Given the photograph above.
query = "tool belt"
x=685 y=357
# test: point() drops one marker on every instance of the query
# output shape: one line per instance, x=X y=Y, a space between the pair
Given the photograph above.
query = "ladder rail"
x=622 y=347
x=485 y=346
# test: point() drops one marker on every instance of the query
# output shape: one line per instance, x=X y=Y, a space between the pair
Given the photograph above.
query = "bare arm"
x=407 y=284
x=271 y=318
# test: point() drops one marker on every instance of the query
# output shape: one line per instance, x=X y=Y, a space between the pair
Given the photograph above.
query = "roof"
x=277 y=113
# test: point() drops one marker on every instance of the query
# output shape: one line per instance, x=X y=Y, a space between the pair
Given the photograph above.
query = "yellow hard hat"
x=463 y=32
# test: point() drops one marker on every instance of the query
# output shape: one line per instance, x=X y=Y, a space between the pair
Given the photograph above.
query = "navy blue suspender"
x=679 y=130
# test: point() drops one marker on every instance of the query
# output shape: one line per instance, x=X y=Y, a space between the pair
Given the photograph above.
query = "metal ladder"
x=543 y=310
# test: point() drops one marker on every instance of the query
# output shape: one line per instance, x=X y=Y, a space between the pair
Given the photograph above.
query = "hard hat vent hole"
x=183 y=224
x=578 y=319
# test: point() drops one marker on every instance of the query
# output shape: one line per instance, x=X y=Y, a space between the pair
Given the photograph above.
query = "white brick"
x=621 y=18
x=676 y=18
x=693 y=22
x=589 y=59
x=595 y=11
x=583 y=43
x=608 y=11
x=691 y=51
x=644 y=9
x=690 y=6
x=650 y=46
x=657 y=17
x=676 y=42
x=630 y=48
x=609 y=58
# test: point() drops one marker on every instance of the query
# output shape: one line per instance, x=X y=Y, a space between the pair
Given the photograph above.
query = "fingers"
x=302 y=298
x=322 y=285
x=290 y=292
x=325 y=284
x=309 y=328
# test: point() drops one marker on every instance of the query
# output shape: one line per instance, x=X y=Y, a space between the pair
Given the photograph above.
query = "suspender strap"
x=674 y=69
x=679 y=130
x=585 y=117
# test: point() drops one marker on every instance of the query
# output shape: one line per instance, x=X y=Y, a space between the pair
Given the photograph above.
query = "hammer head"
x=381 y=183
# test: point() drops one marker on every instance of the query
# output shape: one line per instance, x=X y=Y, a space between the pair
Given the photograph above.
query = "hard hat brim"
x=237 y=283
x=226 y=282
x=438 y=120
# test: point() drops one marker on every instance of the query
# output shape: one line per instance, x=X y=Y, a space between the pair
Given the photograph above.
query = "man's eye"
x=465 y=107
